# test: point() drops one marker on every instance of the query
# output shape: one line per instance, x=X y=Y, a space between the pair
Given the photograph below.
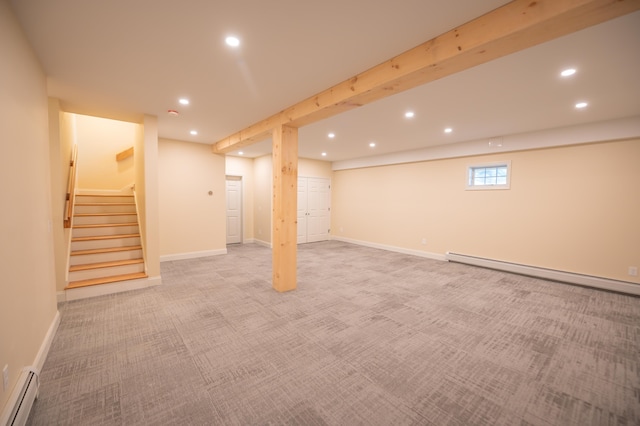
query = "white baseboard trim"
x=426 y=254
x=61 y=296
x=248 y=241
x=41 y=357
x=549 y=274
x=36 y=367
x=192 y=255
x=262 y=243
x=112 y=288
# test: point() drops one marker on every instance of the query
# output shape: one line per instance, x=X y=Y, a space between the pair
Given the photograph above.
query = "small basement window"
x=489 y=176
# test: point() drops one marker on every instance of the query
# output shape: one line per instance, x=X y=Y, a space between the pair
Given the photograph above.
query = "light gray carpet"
x=370 y=337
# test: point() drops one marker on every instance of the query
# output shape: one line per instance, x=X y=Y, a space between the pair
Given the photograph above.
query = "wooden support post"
x=285 y=207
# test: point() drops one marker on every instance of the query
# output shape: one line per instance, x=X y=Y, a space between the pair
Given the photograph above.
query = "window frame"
x=469 y=186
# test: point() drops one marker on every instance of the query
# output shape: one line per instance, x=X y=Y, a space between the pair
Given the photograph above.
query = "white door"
x=234 y=210
x=314 y=210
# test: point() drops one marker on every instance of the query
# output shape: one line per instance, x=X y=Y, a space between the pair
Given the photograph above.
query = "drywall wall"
x=27 y=288
x=314 y=168
x=147 y=192
x=263 y=189
x=61 y=140
x=243 y=167
x=99 y=140
x=573 y=209
x=192 y=222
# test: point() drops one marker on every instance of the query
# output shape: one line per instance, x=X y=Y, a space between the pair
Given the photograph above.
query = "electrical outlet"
x=633 y=271
x=5 y=378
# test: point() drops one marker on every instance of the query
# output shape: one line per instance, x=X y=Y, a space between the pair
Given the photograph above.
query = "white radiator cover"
x=549 y=274
x=22 y=400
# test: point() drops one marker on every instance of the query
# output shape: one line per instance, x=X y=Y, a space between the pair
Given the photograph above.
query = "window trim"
x=470 y=187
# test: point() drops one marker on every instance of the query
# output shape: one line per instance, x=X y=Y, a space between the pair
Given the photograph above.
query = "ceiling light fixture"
x=409 y=114
x=581 y=105
x=324 y=154
x=448 y=130
x=568 y=72
x=372 y=144
x=331 y=135
x=232 y=41
x=173 y=112
x=184 y=101
x=194 y=132
x=240 y=153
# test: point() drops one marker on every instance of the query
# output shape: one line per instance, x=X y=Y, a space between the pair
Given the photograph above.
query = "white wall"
x=573 y=208
x=27 y=288
x=192 y=222
x=99 y=140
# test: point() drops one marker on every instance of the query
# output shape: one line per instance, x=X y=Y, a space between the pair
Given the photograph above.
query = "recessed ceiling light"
x=184 y=101
x=232 y=41
x=372 y=144
x=568 y=72
x=194 y=132
x=448 y=130
x=409 y=114
x=324 y=154
x=240 y=153
x=331 y=135
x=581 y=105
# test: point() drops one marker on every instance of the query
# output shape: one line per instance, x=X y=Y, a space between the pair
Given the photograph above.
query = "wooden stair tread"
x=105 y=250
x=105 y=280
x=106 y=204
x=105 y=264
x=104 y=195
x=104 y=214
x=104 y=237
x=104 y=225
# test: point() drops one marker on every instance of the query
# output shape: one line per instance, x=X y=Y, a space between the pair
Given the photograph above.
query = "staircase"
x=105 y=241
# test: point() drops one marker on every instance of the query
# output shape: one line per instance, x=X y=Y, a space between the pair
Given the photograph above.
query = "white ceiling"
x=121 y=59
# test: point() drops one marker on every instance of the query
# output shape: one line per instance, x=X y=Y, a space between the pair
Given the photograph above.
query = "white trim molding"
x=548 y=274
x=419 y=253
x=192 y=255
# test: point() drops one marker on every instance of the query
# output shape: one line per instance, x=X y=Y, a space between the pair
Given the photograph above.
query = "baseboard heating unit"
x=549 y=274
x=23 y=399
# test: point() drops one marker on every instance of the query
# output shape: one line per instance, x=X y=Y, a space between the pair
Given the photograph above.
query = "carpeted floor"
x=369 y=337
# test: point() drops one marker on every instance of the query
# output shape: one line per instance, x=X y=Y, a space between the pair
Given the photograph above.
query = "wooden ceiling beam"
x=513 y=27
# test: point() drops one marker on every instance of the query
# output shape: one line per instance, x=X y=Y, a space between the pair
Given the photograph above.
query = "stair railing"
x=71 y=187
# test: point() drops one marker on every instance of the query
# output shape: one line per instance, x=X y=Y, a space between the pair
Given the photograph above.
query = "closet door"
x=318 y=207
x=314 y=210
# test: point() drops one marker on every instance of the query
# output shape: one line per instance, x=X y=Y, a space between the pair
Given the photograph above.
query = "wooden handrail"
x=124 y=154
x=71 y=187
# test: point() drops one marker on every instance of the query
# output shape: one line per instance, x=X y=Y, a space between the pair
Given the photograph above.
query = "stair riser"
x=105 y=272
x=115 y=208
x=96 y=199
x=100 y=220
x=109 y=230
x=98 y=244
x=105 y=257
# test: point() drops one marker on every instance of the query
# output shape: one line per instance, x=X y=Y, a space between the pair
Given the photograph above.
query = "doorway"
x=234 y=209
x=314 y=209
